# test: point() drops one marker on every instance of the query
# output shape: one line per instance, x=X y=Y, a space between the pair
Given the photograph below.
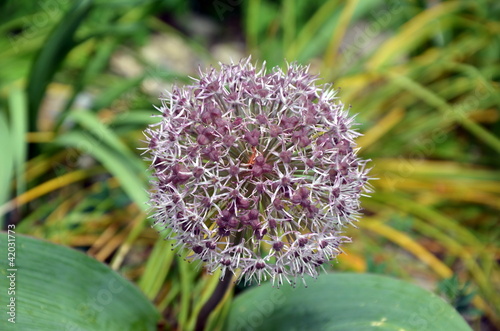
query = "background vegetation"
x=77 y=85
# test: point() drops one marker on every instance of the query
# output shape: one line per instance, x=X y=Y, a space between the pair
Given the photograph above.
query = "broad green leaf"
x=58 y=288
x=344 y=302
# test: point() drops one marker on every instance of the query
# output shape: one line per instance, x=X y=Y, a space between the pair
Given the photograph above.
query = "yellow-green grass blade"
x=19 y=124
x=252 y=23
x=332 y=51
x=108 y=96
x=413 y=33
x=186 y=280
x=441 y=104
x=311 y=28
x=117 y=165
x=289 y=8
x=138 y=119
x=107 y=136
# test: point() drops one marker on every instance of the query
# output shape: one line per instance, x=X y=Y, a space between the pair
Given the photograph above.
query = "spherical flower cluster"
x=256 y=173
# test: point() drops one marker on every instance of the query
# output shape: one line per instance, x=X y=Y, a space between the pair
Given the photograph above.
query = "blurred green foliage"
x=423 y=77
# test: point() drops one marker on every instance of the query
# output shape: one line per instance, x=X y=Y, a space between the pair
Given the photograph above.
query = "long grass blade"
x=6 y=163
x=52 y=54
x=19 y=124
x=127 y=175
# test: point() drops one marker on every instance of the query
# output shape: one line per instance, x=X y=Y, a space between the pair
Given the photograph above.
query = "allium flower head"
x=256 y=172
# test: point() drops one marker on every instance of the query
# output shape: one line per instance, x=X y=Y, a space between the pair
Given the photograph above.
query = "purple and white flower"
x=256 y=172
